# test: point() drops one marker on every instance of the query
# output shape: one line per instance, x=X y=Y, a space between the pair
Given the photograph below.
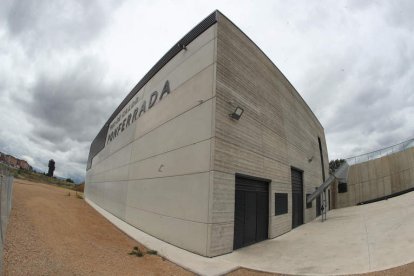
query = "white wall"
x=155 y=174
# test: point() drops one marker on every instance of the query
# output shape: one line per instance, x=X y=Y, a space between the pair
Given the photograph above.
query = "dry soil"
x=52 y=233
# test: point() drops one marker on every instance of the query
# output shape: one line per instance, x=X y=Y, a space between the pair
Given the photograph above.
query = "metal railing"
x=6 y=185
x=380 y=153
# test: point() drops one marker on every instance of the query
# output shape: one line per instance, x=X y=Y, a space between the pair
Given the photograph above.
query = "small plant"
x=79 y=195
x=136 y=251
x=152 y=252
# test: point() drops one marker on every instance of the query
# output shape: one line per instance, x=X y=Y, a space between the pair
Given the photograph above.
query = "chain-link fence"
x=6 y=185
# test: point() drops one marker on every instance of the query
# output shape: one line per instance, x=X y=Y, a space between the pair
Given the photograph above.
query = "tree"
x=51 y=167
x=69 y=180
x=335 y=164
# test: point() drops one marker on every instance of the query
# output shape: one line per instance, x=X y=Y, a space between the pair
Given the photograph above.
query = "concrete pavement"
x=353 y=240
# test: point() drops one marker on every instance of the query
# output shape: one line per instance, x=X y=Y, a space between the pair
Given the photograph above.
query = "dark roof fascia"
x=99 y=142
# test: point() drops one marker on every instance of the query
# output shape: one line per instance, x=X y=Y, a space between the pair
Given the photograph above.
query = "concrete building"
x=376 y=175
x=14 y=162
x=213 y=149
x=22 y=164
x=9 y=160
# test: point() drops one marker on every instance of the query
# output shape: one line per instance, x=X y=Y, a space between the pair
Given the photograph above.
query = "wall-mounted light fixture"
x=237 y=113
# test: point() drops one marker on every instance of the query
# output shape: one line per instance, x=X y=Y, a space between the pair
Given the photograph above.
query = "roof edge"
x=287 y=80
x=99 y=142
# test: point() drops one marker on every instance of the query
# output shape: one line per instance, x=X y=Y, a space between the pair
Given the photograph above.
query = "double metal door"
x=251 y=212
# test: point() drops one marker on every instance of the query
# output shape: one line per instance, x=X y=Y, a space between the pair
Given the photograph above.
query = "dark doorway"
x=251 y=214
x=329 y=200
x=318 y=206
x=297 y=197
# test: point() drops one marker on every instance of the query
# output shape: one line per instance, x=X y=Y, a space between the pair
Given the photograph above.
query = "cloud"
x=72 y=104
x=52 y=25
x=54 y=88
x=354 y=68
x=66 y=65
x=64 y=112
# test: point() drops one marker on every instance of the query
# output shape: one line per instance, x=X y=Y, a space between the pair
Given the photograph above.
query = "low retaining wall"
x=377 y=178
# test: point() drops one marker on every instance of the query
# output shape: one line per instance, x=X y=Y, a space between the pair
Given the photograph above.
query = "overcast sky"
x=66 y=65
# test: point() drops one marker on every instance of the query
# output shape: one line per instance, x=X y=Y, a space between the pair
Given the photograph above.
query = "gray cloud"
x=66 y=65
x=360 y=78
x=54 y=89
x=52 y=25
x=73 y=104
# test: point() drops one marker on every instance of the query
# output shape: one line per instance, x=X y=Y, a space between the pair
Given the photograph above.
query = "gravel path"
x=51 y=233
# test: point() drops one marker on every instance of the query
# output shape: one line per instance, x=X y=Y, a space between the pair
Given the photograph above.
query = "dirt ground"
x=51 y=233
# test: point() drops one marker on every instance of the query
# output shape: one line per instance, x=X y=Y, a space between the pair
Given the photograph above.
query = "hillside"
x=41 y=178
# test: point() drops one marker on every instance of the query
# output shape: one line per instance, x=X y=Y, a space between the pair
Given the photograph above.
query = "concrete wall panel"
x=191 y=159
x=186 y=234
x=205 y=38
x=276 y=131
x=220 y=238
x=183 y=197
x=222 y=191
x=189 y=95
x=174 y=134
x=156 y=173
x=379 y=177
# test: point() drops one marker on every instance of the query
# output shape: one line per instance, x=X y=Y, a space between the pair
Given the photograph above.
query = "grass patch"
x=152 y=252
x=136 y=252
x=78 y=195
x=42 y=178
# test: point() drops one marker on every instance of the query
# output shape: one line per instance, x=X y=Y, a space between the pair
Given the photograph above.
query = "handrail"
x=340 y=173
x=381 y=152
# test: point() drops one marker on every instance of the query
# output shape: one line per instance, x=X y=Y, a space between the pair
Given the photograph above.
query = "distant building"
x=14 y=162
x=11 y=160
x=22 y=164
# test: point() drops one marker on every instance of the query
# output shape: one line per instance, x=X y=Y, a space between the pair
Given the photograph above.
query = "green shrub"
x=136 y=251
x=152 y=252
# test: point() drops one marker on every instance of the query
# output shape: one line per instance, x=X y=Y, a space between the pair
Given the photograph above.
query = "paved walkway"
x=353 y=240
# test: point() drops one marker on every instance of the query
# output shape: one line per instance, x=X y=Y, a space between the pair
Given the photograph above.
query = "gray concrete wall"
x=155 y=175
x=276 y=131
x=172 y=172
x=377 y=178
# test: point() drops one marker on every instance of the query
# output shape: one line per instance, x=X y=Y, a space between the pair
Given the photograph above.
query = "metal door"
x=251 y=212
x=297 y=197
x=318 y=206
